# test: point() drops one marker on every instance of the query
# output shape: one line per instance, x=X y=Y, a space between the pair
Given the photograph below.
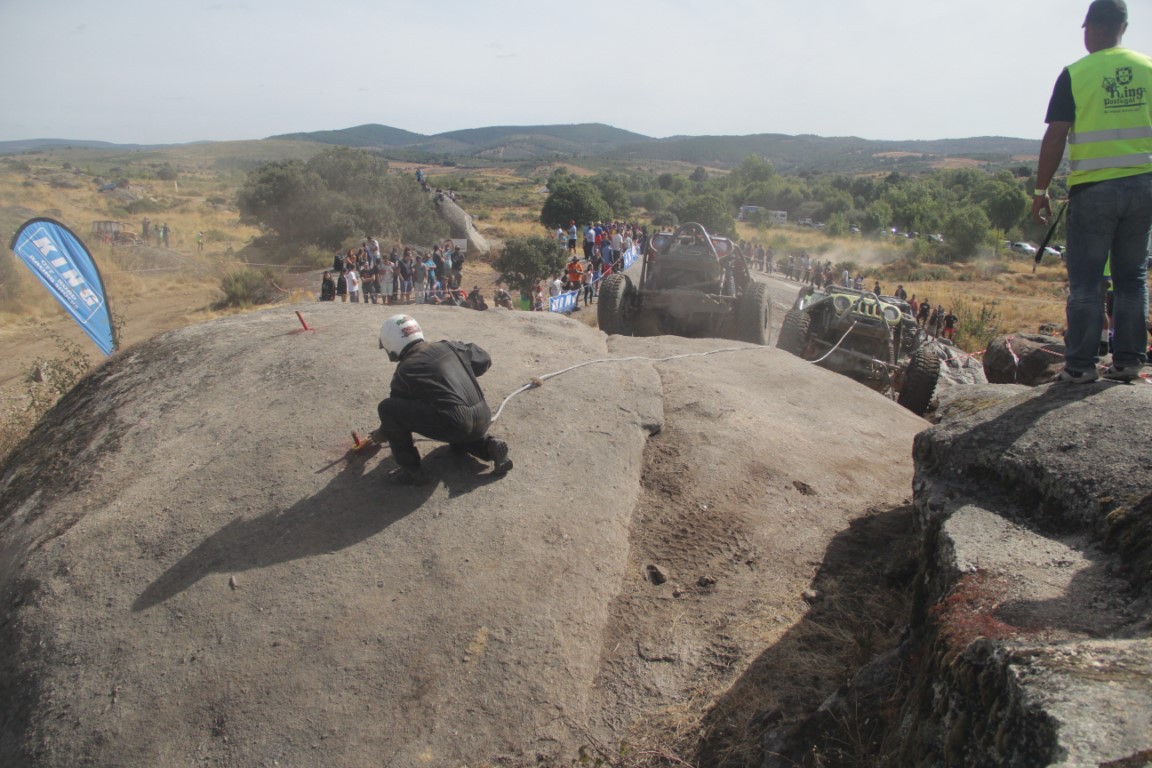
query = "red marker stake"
x=300 y=317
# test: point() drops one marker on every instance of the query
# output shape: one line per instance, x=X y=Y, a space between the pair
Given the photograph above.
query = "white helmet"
x=397 y=333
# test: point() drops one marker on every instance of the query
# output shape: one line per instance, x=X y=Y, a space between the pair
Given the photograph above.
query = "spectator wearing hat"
x=1100 y=107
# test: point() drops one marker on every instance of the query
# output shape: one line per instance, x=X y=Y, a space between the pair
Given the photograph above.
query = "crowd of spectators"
x=365 y=275
x=594 y=251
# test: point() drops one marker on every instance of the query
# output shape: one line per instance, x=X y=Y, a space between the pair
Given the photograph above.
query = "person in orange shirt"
x=575 y=272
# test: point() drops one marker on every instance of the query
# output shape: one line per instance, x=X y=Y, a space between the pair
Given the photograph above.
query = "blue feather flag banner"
x=63 y=264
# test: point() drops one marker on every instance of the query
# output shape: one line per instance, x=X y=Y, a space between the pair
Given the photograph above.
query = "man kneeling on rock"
x=435 y=394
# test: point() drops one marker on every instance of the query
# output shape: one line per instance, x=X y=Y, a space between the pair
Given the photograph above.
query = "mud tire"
x=920 y=380
x=794 y=332
x=611 y=304
x=754 y=315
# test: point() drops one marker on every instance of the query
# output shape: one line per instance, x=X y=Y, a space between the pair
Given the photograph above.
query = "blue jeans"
x=1111 y=217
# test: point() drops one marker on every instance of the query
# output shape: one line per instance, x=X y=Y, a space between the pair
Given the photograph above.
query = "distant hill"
x=848 y=154
x=584 y=138
x=361 y=136
x=26 y=145
x=511 y=143
x=826 y=154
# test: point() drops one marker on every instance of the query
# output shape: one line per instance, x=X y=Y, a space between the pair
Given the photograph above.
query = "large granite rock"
x=461 y=225
x=1030 y=640
x=1023 y=358
x=1033 y=620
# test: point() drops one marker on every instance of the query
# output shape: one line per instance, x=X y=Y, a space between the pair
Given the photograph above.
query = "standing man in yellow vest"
x=1102 y=108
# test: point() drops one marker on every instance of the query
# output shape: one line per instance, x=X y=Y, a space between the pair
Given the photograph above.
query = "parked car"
x=1026 y=248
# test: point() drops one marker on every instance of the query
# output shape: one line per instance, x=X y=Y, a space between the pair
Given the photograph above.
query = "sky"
x=176 y=71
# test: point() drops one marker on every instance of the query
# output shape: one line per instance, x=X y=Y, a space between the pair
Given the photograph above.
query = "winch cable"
x=837 y=344
x=538 y=381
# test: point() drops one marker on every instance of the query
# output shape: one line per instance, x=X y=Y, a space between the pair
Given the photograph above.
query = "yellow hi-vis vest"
x=1112 y=135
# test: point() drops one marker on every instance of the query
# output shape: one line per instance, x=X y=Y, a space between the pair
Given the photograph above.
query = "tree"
x=710 y=211
x=337 y=196
x=671 y=182
x=754 y=168
x=834 y=202
x=656 y=200
x=575 y=201
x=275 y=197
x=526 y=260
x=877 y=216
x=966 y=229
x=614 y=193
x=699 y=175
x=350 y=171
x=558 y=177
x=1006 y=206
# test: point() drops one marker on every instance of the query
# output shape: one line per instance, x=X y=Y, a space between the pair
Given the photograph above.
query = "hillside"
x=596 y=140
x=360 y=136
x=824 y=154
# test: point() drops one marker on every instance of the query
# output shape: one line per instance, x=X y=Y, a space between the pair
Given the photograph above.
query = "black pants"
x=465 y=428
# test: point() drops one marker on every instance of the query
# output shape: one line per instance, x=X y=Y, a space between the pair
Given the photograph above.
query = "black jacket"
x=441 y=372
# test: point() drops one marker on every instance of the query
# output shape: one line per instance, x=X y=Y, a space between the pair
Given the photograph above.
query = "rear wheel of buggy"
x=754 y=314
x=610 y=305
x=794 y=333
x=920 y=380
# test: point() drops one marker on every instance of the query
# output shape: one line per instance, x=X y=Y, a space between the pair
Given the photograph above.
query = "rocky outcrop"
x=1032 y=621
x=1030 y=639
x=1023 y=358
x=196 y=566
x=461 y=225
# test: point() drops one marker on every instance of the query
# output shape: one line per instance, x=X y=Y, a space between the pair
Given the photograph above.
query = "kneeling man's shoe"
x=498 y=453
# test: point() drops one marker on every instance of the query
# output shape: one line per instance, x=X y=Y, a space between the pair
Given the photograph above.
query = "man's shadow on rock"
x=1012 y=422
x=352 y=508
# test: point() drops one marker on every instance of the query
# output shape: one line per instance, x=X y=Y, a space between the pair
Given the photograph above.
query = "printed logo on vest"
x=1121 y=94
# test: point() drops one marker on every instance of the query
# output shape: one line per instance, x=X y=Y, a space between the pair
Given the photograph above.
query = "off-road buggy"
x=871 y=338
x=114 y=232
x=691 y=284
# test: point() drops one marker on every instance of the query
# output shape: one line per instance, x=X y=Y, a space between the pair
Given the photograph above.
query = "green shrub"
x=976 y=325
x=246 y=288
x=525 y=260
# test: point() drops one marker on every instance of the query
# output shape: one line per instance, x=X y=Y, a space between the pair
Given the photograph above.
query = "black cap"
x=1108 y=12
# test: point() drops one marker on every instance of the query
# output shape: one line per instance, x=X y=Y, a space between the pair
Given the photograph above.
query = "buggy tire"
x=754 y=314
x=794 y=333
x=611 y=304
x=920 y=380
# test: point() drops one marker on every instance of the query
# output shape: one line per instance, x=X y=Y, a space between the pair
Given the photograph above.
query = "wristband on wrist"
x=1040 y=193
